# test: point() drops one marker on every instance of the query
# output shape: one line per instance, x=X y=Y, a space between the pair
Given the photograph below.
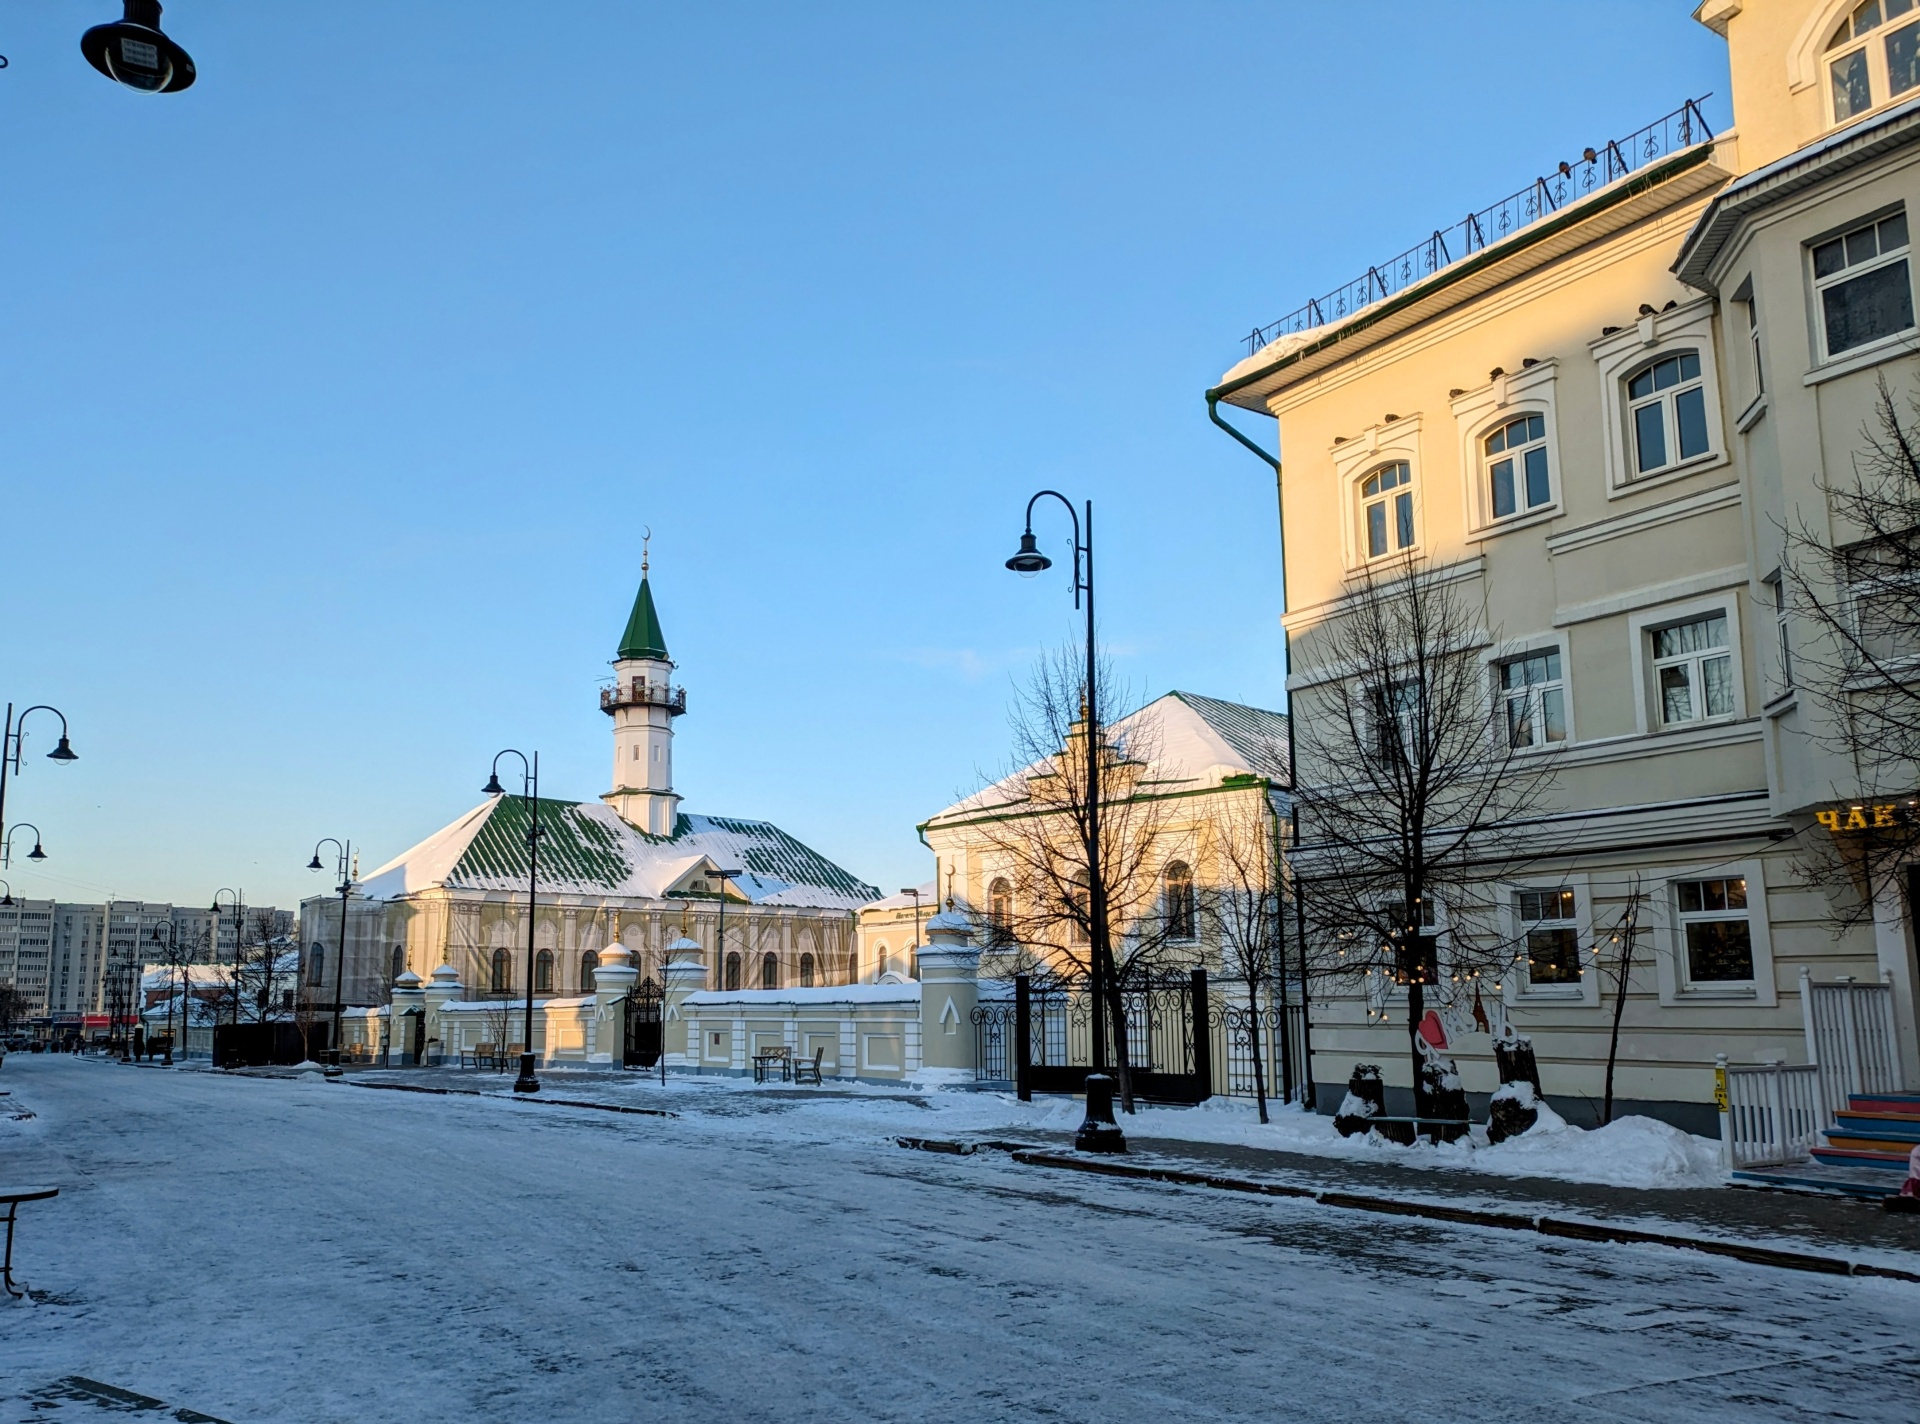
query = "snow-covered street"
x=296 y=1250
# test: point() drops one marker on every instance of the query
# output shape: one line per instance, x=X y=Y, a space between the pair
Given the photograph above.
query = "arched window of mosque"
x=880 y=964
x=543 y=972
x=502 y=972
x=806 y=971
x=589 y=966
x=399 y=960
x=769 y=972
x=1079 y=909
x=733 y=969
x=317 y=964
x=853 y=966
x=1000 y=912
x=1181 y=912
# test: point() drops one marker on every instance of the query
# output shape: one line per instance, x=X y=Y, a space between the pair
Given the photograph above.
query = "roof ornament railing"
x=1568 y=183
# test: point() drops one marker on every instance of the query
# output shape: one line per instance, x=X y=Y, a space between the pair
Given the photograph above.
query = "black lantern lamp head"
x=314 y=864
x=1028 y=560
x=493 y=786
x=36 y=853
x=133 y=51
x=63 y=753
x=6 y=898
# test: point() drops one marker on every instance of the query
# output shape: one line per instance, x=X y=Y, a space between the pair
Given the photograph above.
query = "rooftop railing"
x=1569 y=183
x=644 y=694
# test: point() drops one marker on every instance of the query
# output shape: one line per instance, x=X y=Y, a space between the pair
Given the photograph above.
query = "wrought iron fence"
x=1280 y=1050
x=1568 y=183
x=1052 y=1036
x=993 y=1042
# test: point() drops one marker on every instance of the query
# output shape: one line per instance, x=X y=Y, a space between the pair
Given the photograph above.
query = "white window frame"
x=1518 y=988
x=1392 y=502
x=1817 y=285
x=1497 y=661
x=1355 y=459
x=1670 y=941
x=1776 y=605
x=1477 y=414
x=1666 y=400
x=1695 y=665
x=1641 y=624
x=1620 y=355
x=1873 y=44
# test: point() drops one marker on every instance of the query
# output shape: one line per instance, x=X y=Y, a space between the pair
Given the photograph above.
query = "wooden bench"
x=483 y=1055
x=11 y=1201
x=769 y=1060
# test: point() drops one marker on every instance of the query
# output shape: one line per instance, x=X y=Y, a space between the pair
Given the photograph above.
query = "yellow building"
x=1192 y=817
x=1591 y=409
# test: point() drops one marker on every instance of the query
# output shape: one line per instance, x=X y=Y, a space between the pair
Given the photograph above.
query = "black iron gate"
x=1169 y=1050
x=643 y=1025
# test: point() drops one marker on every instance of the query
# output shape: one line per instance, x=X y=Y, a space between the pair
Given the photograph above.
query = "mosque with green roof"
x=631 y=868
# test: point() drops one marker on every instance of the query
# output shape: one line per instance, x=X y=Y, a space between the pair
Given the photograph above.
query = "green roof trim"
x=643 y=638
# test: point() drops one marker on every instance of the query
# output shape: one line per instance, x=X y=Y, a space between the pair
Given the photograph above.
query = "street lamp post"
x=12 y=745
x=1028 y=561
x=178 y=959
x=720 y=934
x=530 y=794
x=345 y=848
x=914 y=950
x=6 y=845
x=239 y=901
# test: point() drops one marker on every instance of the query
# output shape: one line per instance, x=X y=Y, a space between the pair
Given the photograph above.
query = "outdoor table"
x=11 y=1200
x=763 y=1064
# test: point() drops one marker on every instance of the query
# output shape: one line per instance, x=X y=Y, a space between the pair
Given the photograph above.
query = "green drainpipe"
x=1286 y=668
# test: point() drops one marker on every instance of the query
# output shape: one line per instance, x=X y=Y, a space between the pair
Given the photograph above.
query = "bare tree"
x=1621 y=938
x=13 y=1007
x=1414 y=783
x=1853 y=582
x=1244 y=910
x=1039 y=836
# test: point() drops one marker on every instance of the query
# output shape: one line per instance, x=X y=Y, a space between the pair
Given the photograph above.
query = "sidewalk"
x=1829 y=1224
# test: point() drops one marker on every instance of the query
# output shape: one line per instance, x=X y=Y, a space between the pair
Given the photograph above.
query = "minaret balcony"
x=641 y=693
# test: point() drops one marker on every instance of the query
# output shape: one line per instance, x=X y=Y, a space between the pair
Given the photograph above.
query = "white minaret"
x=643 y=703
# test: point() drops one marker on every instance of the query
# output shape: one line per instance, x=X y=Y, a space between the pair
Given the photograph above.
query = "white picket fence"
x=1771 y=1115
x=1850 y=1036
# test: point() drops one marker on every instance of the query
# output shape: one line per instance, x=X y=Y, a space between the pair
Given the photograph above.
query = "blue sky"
x=337 y=390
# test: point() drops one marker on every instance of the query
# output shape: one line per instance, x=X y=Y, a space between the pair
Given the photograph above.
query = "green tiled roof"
x=1257 y=734
x=585 y=848
x=643 y=638
x=573 y=847
x=769 y=854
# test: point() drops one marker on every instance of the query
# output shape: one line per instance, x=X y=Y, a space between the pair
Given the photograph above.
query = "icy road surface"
x=294 y=1250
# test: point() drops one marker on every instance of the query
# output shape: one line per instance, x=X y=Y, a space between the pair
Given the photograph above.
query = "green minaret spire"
x=643 y=638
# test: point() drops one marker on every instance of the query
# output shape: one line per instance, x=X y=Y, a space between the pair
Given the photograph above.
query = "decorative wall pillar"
x=949 y=990
x=408 y=1008
x=612 y=982
x=685 y=973
x=442 y=989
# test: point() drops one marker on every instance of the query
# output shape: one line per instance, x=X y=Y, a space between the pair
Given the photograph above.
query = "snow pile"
x=1627 y=1152
x=1634 y=1152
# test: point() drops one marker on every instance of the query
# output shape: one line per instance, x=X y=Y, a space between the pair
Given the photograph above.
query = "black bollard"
x=1100 y=1133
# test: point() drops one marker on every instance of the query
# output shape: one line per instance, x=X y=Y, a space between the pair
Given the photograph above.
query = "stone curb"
x=514 y=1097
x=1430 y=1211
